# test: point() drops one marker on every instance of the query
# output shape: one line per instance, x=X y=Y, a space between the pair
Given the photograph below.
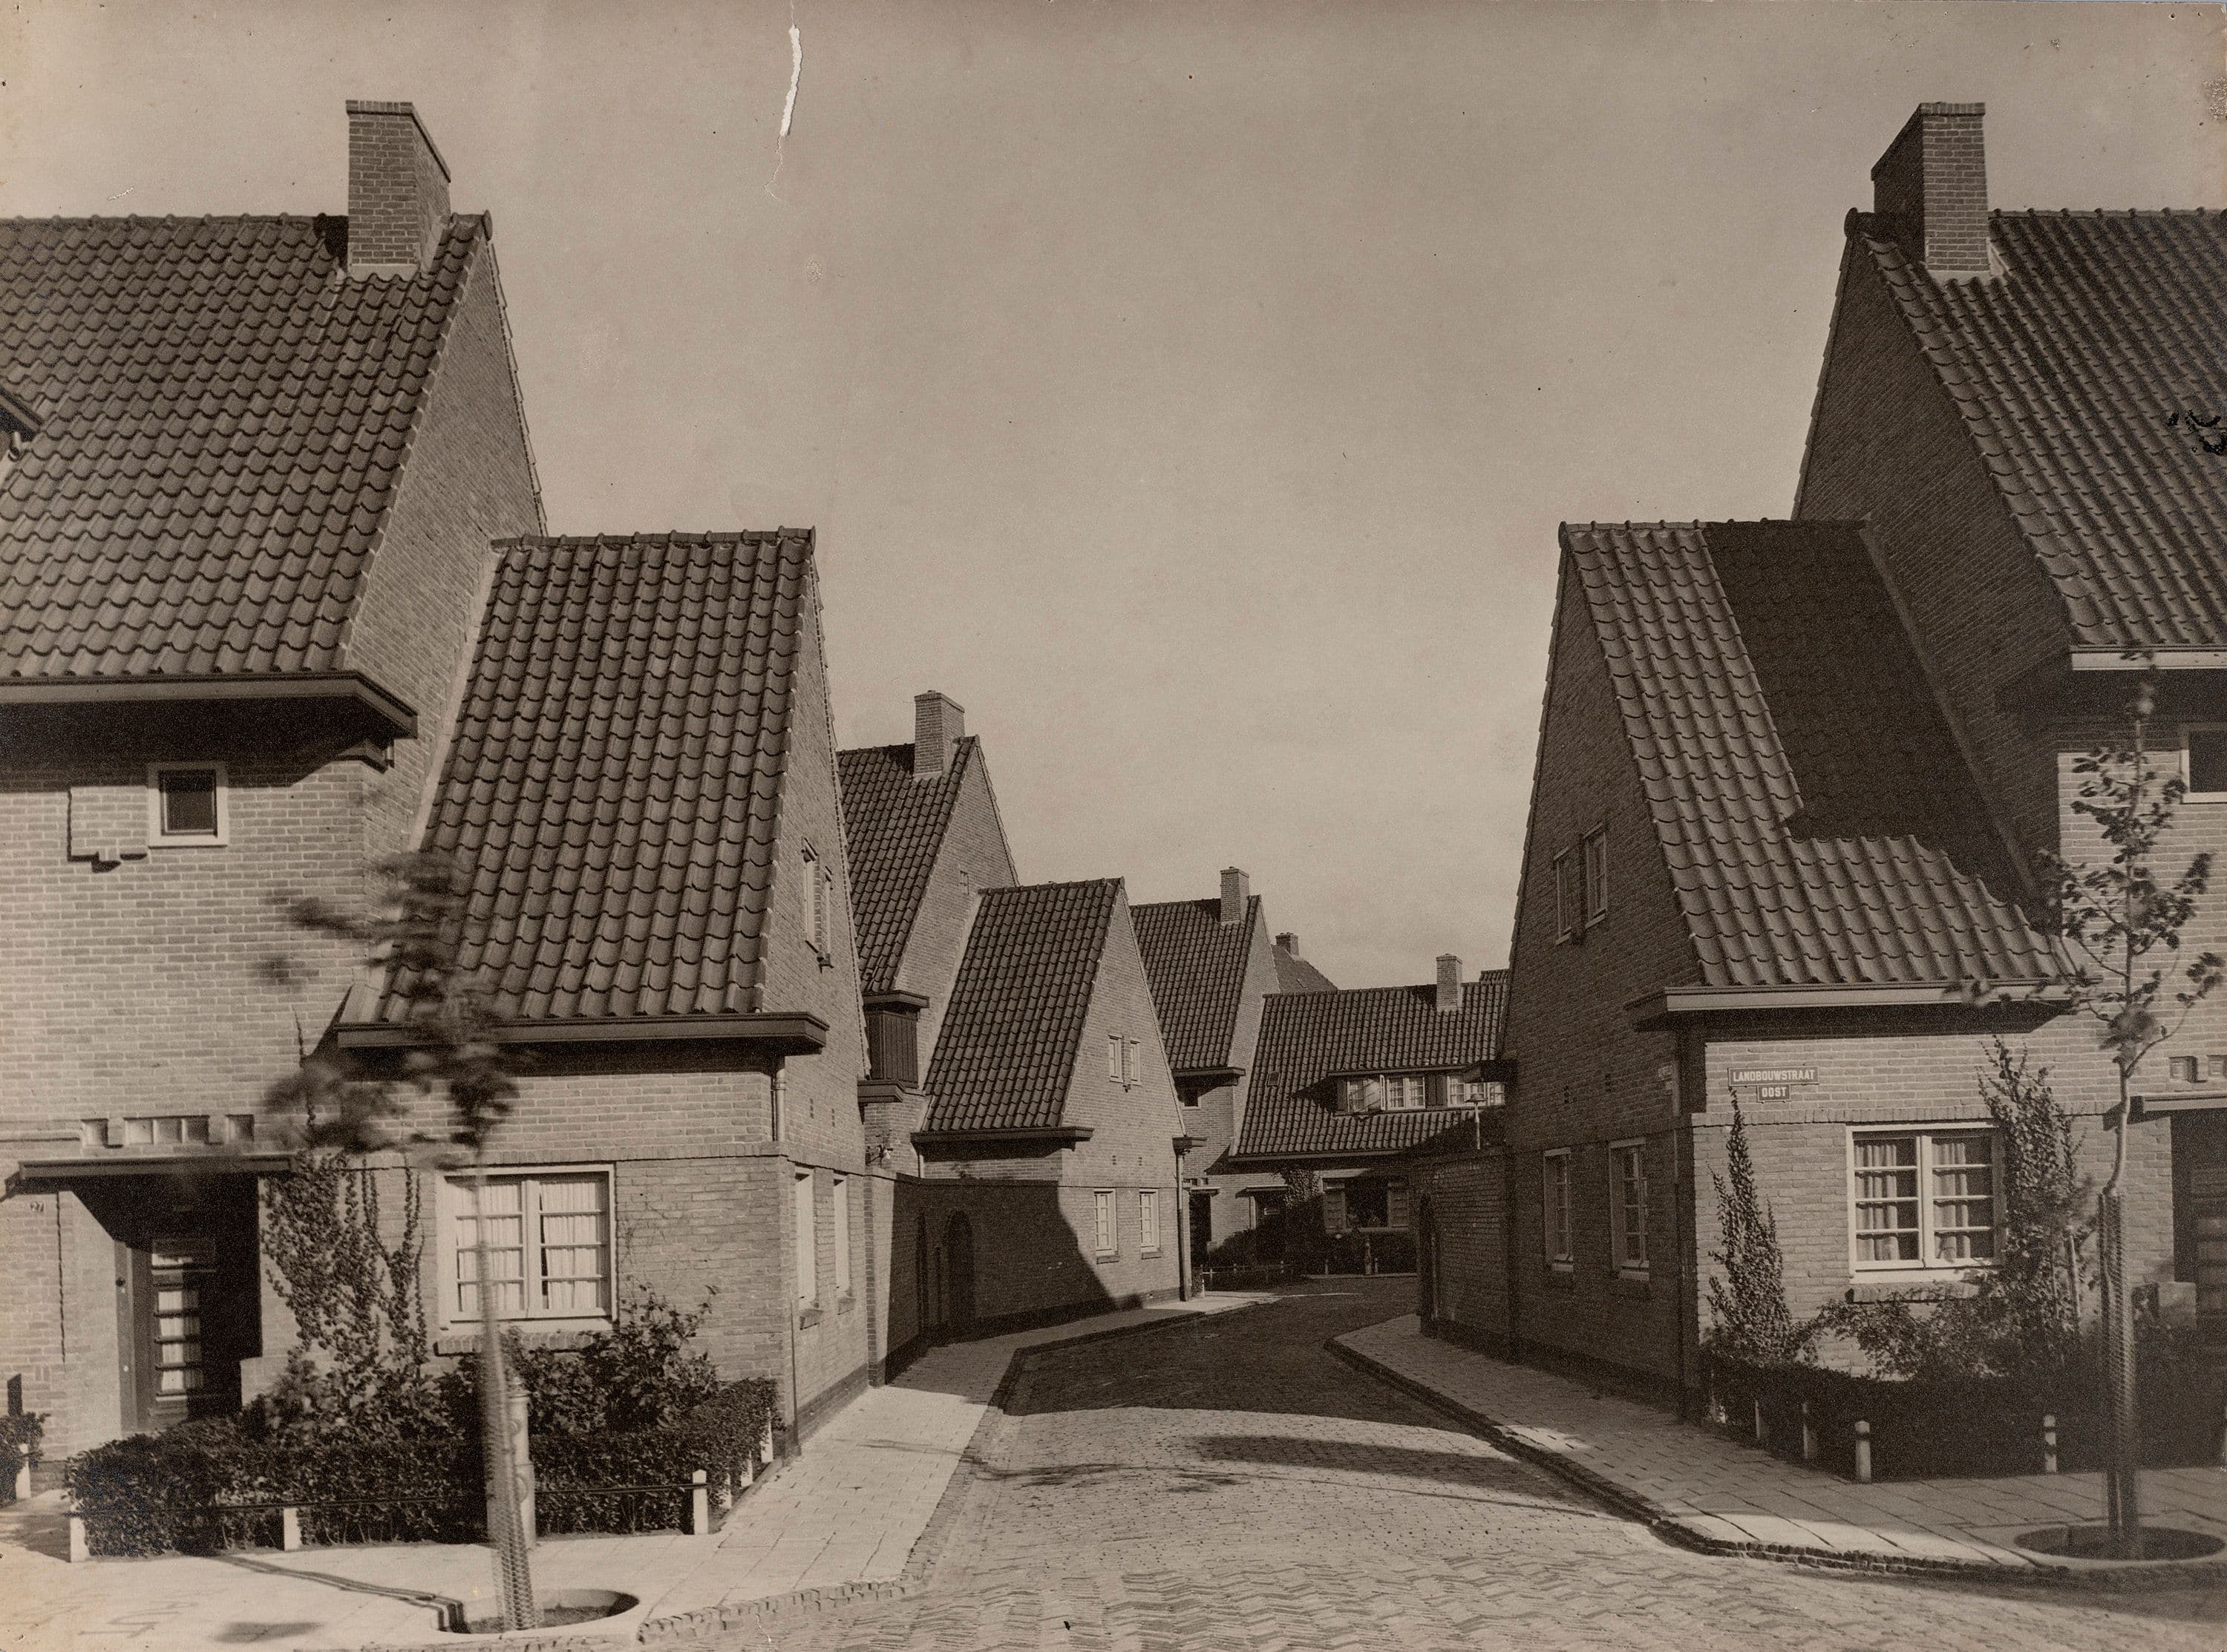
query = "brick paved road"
x=1228 y=1485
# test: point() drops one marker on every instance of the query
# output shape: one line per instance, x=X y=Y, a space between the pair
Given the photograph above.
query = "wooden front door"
x=187 y=1294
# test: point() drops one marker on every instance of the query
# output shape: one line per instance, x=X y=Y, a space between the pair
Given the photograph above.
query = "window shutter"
x=1129 y=1063
x=1114 y=1056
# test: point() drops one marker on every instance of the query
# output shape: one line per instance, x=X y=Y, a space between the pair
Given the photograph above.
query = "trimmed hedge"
x=1930 y=1430
x=17 y=1429
x=578 y=1477
x=208 y=1485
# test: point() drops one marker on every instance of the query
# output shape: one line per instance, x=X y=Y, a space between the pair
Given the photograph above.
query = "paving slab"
x=845 y=1513
x=1724 y=1496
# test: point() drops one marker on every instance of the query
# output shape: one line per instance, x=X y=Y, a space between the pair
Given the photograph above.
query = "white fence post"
x=80 y=1549
x=1863 y=1452
x=2049 y=1442
x=1809 y=1435
x=290 y=1529
x=699 y=1506
x=23 y=1471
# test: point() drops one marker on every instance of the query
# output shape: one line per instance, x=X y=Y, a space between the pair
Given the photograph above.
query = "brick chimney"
x=939 y=723
x=398 y=190
x=1290 y=943
x=1450 y=984
x=1930 y=189
x=1236 y=889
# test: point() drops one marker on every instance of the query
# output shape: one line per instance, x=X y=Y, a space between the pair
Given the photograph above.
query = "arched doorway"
x=1426 y=1259
x=958 y=1266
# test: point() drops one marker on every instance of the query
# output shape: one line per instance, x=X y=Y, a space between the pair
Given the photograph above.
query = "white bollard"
x=2048 y=1443
x=699 y=1506
x=290 y=1529
x=79 y=1550
x=23 y=1471
x=1863 y=1452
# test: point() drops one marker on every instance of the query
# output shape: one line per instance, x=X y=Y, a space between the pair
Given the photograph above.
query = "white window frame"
x=1594 y=879
x=1131 y=1063
x=1556 y=1187
x=839 y=1209
x=1926 y=1266
x=804 y=1217
x=1113 y=1058
x=158 y=838
x=1106 y=1219
x=1148 y=1221
x=2186 y=777
x=1633 y=1155
x=450 y=1191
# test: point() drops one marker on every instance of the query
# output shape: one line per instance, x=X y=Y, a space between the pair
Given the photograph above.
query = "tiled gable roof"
x=893 y=825
x=1196 y=964
x=1307 y=1039
x=1297 y=975
x=1818 y=825
x=612 y=788
x=2065 y=368
x=1007 y=1045
x=224 y=416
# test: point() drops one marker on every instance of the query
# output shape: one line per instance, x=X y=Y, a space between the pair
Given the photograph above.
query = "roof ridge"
x=1069 y=882
x=652 y=537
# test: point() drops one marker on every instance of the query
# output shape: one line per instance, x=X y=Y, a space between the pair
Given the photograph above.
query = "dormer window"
x=186 y=805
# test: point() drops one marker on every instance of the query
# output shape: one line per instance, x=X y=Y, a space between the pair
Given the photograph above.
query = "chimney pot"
x=1930 y=189
x=939 y=723
x=1289 y=943
x=1236 y=887
x=398 y=190
x=1450 y=984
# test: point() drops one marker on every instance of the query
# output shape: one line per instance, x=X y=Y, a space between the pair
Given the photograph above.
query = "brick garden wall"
x=1469 y=1204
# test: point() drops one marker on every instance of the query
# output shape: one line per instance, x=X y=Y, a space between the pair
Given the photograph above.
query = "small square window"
x=2206 y=761
x=2184 y=1068
x=186 y=803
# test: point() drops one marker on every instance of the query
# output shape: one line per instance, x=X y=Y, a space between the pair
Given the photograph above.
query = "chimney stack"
x=398 y=190
x=939 y=723
x=1930 y=189
x=1450 y=984
x=1289 y=943
x=1236 y=887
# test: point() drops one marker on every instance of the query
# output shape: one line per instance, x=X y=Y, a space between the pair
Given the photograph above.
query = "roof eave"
x=1055 y=1135
x=1653 y=1010
x=784 y=1032
x=346 y=687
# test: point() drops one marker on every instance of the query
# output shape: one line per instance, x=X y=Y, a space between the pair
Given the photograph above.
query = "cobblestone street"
x=1230 y=1484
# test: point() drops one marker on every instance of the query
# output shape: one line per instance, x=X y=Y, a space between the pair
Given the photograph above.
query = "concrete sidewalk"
x=841 y=1518
x=1719 y=1496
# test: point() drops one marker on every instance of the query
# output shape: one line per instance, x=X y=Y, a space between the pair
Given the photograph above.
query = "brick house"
x=252 y=467
x=1792 y=776
x=640 y=789
x=1048 y=1175
x=1212 y=967
x=1347 y=1085
x=924 y=841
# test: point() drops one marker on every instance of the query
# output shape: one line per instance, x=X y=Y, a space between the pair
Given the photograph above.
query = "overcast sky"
x=1191 y=391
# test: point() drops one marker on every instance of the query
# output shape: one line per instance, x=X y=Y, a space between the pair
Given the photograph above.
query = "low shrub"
x=209 y=1485
x=17 y=1430
x=638 y=1481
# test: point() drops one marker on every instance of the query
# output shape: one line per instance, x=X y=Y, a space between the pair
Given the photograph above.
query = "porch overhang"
x=1653 y=1010
x=60 y=1172
x=340 y=690
x=792 y=1032
x=2162 y=1107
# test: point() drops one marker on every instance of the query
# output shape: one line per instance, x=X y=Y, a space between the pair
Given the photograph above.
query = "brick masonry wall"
x=397 y=194
x=1887 y=443
x=1220 y=1115
x=822 y=1131
x=972 y=858
x=1468 y=1204
x=1584 y=1078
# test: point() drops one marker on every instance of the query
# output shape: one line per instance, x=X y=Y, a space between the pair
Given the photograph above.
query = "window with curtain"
x=1923 y=1198
x=548 y=1241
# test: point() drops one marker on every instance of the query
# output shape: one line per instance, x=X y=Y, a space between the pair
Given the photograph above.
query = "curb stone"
x=2128 y=1575
x=928 y=1548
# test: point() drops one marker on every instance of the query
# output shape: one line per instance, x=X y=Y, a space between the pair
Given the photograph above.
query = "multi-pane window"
x=820 y=891
x=1148 y=1221
x=1627 y=1208
x=1569 y=895
x=807 y=1240
x=1596 y=875
x=179 y=1267
x=186 y=803
x=1105 y=1238
x=2205 y=761
x=1924 y=1199
x=1555 y=1209
x=548 y=1243
x=841 y=1212
x=1383 y=1091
